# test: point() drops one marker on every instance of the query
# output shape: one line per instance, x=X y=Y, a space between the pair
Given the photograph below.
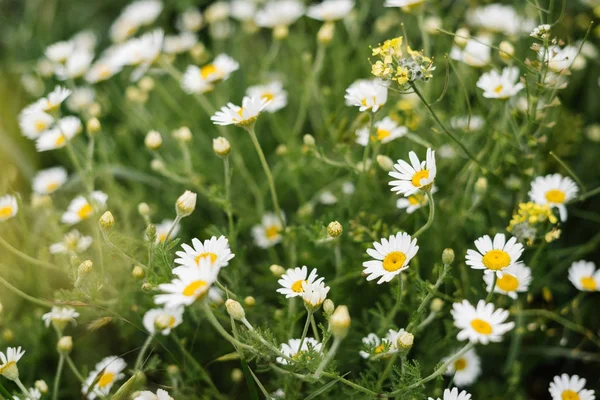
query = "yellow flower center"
x=241 y=112
x=460 y=364
x=104 y=72
x=382 y=134
x=6 y=211
x=364 y=101
x=569 y=395
x=394 y=261
x=496 y=260
x=162 y=237
x=498 y=89
x=379 y=348
x=208 y=70
x=555 y=196
x=60 y=140
x=41 y=126
x=271 y=232
x=416 y=199
x=7 y=366
x=267 y=96
x=416 y=179
x=106 y=379
x=213 y=257
x=588 y=283
x=508 y=283
x=481 y=326
x=192 y=288
x=85 y=211
x=297 y=286
x=52 y=186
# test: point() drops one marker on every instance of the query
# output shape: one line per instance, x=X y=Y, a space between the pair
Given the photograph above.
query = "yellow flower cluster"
x=395 y=65
x=529 y=218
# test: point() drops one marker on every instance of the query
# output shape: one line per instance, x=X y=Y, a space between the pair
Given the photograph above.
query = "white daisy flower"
x=410 y=178
x=403 y=3
x=391 y=257
x=475 y=123
x=148 y=395
x=33 y=122
x=268 y=232
x=76 y=65
x=141 y=52
x=8 y=207
x=348 y=188
x=190 y=285
x=162 y=230
x=55 y=98
x=216 y=249
x=81 y=99
x=162 y=320
x=272 y=92
x=85 y=40
x=60 y=317
x=59 y=52
x=281 y=13
x=376 y=346
x=584 y=277
x=190 y=20
x=465 y=370
x=57 y=137
x=476 y=53
x=367 y=94
x=73 y=242
x=220 y=69
x=49 y=180
x=565 y=387
x=554 y=190
x=483 y=324
x=330 y=10
x=243 y=10
x=135 y=15
x=386 y=130
x=104 y=68
x=81 y=209
x=293 y=281
x=109 y=370
x=34 y=394
x=499 y=18
x=515 y=279
x=415 y=201
x=240 y=116
x=500 y=86
x=314 y=294
x=9 y=368
x=454 y=395
x=192 y=81
x=176 y=44
x=292 y=348
x=494 y=256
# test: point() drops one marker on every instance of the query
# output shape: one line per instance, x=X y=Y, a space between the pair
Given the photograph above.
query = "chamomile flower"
x=476 y=53
x=584 y=277
x=191 y=284
x=268 y=232
x=8 y=207
x=104 y=68
x=465 y=370
x=76 y=65
x=192 y=81
x=59 y=52
x=57 y=137
x=554 y=190
x=49 y=180
x=60 y=317
x=33 y=394
x=33 y=122
x=410 y=178
x=314 y=294
x=162 y=230
x=107 y=372
x=240 y=116
x=330 y=10
x=8 y=367
x=515 y=279
x=565 y=387
x=55 y=98
x=176 y=44
x=220 y=69
x=216 y=249
x=293 y=281
x=391 y=256
x=281 y=13
x=403 y=3
x=453 y=395
x=135 y=15
x=292 y=348
x=162 y=320
x=273 y=92
x=415 y=201
x=81 y=209
x=190 y=20
x=494 y=256
x=386 y=130
x=482 y=324
x=499 y=18
x=81 y=99
x=243 y=10
x=73 y=242
x=501 y=86
x=367 y=94
x=148 y=395
x=375 y=346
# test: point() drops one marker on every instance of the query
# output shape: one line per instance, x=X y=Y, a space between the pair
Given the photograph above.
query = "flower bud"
x=95 y=109
x=448 y=256
x=334 y=229
x=153 y=140
x=507 y=51
x=277 y=270
x=41 y=386
x=146 y=84
x=280 y=32
x=186 y=204
x=339 y=322
x=249 y=301
x=144 y=209
x=481 y=186
x=183 y=134
x=147 y=287
x=281 y=150
x=385 y=162
x=151 y=232
x=326 y=33
x=137 y=272
x=235 y=309
x=309 y=140
x=221 y=146
x=93 y=126
x=461 y=37
x=436 y=305
x=405 y=340
x=85 y=268
x=328 y=307
x=65 y=344
x=237 y=375
x=172 y=370
x=157 y=165
x=107 y=221
x=8 y=335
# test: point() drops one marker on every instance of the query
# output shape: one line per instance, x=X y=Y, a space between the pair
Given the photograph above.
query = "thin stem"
x=5 y=393
x=427 y=298
x=228 y=198
x=25 y=257
x=313 y=323
x=23 y=388
x=172 y=228
x=337 y=252
x=59 y=368
x=390 y=318
x=142 y=353
x=314 y=73
x=305 y=330
x=386 y=371
x=74 y=369
x=431 y=215
x=215 y=323
x=127 y=256
x=328 y=357
x=491 y=292
x=24 y=295
x=263 y=341
x=569 y=171
x=368 y=145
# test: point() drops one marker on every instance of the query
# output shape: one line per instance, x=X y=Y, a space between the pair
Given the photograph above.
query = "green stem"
x=172 y=228
x=127 y=256
x=431 y=215
x=27 y=258
x=569 y=171
x=140 y=358
x=215 y=323
x=316 y=68
x=427 y=298
x=313 y=323
x=491 y=292
x=24 y=295
x=328 y=357
x=23 y=388
x=59 y=368
x=74 y=369
x=228 y=198
x=386 y=371
x=5 y=393
x=305 y=330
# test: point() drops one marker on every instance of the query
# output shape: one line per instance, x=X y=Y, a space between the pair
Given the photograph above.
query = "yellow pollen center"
x=267 y=96
x=171 y=321
x=106 y=379
x=213 y=257
x=6 y=211
x=498 y=89
x=588 y=283
x=208 y=70
x=481 y=326
x=416 y=199
x=508 y=283
x=364 y=101
x=51 y=187
x=241 y=112
x=7 y=366
x=60 y=140
x=569 y=395
x=394 y=261
x=272 y=232
x=192 y=288
x=379 y=348
x=162 y=237
x=41 y=126
x=297 y=286
x=382 y=134
x=85 y=211
x=460 y=364
x=555 y=196
x=496 y=260
x=416 y=179
x=104 y=72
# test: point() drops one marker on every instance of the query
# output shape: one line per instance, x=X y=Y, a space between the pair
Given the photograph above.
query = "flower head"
x=330 y=10
x=55 y=98
x=373 y=345
x=73 y=242
x=280 y=13
x=515 y=279
x=476 y=52
x=501 y=86
x=499 y=18
x=106 y=373
x=81 y=209
x=454 y=395
x=494 y=256
x=60 y=317
x=216 y=249
x=135 y=15
x=191 y=284
x=386 y=130
x=272 y=92
x=584 y=276
x=292 y=349
x=391 y=257
x=415 y=201
x=367 y=95
x=466 y=369
x=481 y=324
x=314 y=294
x=162 y=320
x=410 y=178
x=294 y=280
x=58 y=136
x=565 y=387
x=555 y=191
x=148 y=395
x=34 y=122
x=9 y=368
x=163 y=228
x=268 y=232
x=49 y=180
x=243 y=116
x=8 y=207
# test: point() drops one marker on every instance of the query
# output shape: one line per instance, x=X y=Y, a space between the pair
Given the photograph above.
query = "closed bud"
x=93 y=126
x=280 y=32
x=237 y=375
x=144 y=209
x=507 y=51
x=157 y=165
x=448 y=256
x=186 y=204
x=172 y=370
x=41 y=386
x=183 y=134
x=95 y=109
x=85 y=268
x=147 y=287
x=146 y=84
x=249 y=301
x=405 y=340
x=308 y=140
x=65 y=344
x=328 y=307
x=8 y=335
x=326 y=33
x=277 y=270
x=137 y=272
x=281 y=150
x=461 y=37
x=151 y=232
x=481 y=186
x=339 y=322
x=436 y=305
x=385 y=162
x=334 y=229
x=235 y=309
x=153 y=140
x=221 y=146
x=107 y=221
